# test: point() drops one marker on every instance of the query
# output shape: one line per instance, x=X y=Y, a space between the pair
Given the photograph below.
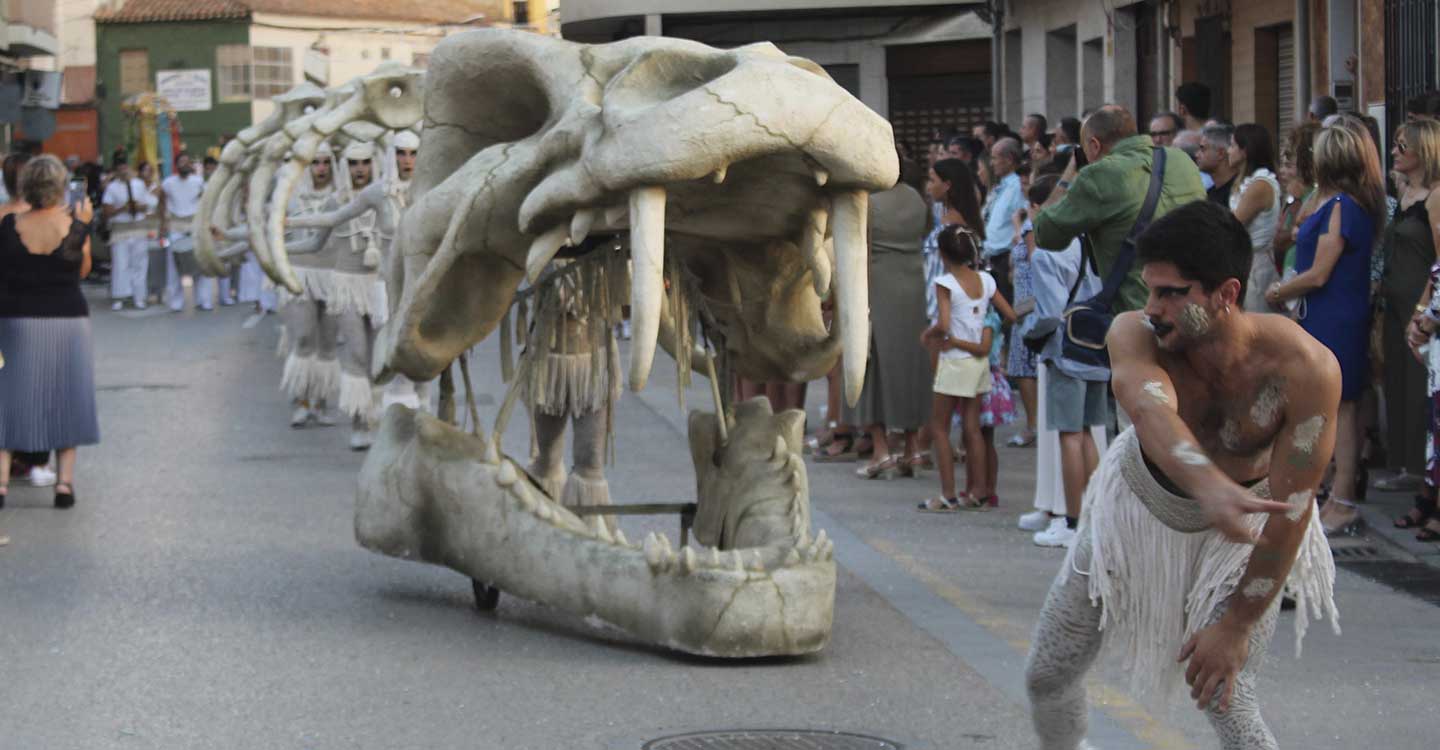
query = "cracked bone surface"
x=760 y=586
x=527 y=139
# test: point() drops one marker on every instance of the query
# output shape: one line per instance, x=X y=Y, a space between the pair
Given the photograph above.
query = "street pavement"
x=207 y=592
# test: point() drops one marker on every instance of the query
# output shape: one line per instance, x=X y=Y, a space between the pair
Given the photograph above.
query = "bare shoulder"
x=1306 y=364
x=1131 y=335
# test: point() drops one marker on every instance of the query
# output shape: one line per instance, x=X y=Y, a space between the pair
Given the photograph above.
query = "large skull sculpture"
x=750 y=171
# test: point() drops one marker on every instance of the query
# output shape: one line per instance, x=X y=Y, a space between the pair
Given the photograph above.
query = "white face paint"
x=1193 y=321
x=1157 y=392
x=1259 y=588
x=1189 y=454
x=1269 y=402
x=1307 y=434
x=1298 y=502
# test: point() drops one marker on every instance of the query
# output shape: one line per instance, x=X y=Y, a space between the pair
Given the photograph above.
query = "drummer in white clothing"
x=181 y=198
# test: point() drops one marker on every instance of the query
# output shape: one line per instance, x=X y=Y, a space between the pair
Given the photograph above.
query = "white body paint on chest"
x=1269 y=402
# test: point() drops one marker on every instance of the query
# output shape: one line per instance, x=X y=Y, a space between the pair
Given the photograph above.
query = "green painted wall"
x=171 y=46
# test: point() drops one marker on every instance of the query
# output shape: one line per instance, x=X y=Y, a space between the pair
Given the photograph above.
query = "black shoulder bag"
x=1039 y=334
x=1086 y=323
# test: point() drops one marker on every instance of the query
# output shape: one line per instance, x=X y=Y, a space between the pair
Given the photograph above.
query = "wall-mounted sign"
x=186 y=90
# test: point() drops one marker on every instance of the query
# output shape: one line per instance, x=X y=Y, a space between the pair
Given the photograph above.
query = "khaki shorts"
x=966 y=377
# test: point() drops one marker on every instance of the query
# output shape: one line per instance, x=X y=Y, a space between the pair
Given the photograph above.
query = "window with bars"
x=134 y=71
x=272 y=71
x=232 y=72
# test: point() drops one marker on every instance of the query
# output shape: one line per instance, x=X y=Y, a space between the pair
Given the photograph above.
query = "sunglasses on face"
x=1402 y=147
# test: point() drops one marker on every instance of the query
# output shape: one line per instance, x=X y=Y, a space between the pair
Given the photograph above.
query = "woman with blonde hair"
x=47 y=388
x=1410 y=244
x=1332 y=282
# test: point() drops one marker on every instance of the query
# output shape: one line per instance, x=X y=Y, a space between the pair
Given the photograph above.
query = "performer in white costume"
x=370 y=220
x=182 y=191
x=312 y=371
x=127 y=203
x=1202 y=513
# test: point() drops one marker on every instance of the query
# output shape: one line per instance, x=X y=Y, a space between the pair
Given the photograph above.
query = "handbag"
x=1039 y=334
x=1086 y=323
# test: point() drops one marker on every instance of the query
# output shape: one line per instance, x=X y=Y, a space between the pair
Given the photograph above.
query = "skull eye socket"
x=309 y=108
x=397 y=91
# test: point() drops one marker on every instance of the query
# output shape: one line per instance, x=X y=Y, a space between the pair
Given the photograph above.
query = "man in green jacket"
x=1103 y=199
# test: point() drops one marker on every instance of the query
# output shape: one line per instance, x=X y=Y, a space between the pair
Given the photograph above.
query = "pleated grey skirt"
x=47 y=386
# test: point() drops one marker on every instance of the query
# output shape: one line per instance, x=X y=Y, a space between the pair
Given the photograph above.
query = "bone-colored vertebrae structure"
x=742 y=176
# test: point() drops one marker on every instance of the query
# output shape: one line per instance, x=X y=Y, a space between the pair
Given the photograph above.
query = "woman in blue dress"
x=1332 y=282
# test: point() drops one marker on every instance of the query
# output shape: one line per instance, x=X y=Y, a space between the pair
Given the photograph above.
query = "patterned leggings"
x=1066 y=643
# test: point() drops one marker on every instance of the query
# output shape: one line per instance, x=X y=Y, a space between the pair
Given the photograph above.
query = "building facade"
x=924 y=65
x=251 y=50
x=1263 y=59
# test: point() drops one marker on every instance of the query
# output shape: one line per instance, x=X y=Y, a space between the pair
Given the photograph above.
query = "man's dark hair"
x=1044 y=123
x=996 y=130
x=211 y=161
x=1203 y=240
x=1196 y=98
x=1257 y=144
x=1324 y=106
x=1176 y=124
x=1110 y=124
x=1071 y=127
x=13 y=164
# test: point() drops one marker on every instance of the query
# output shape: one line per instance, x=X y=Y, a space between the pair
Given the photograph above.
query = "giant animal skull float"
x=748 y=168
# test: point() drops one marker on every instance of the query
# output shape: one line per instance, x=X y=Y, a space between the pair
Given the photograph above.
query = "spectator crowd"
x=991 y=236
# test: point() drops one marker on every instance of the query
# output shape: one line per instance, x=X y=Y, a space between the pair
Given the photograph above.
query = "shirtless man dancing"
x=1182 y=553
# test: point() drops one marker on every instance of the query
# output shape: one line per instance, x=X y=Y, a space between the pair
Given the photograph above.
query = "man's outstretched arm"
x=1144 y=390
x=1298 y=460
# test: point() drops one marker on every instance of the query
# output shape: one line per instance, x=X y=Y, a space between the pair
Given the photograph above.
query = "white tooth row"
x=662 y=558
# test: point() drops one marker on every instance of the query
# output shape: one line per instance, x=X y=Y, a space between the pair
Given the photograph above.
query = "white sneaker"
x=117 y=306
x=39 y=476
x=300 y=417
x=1034 y=521
x=1058 y=535
x=322 y=417
x=141 y=305
x=359 y=440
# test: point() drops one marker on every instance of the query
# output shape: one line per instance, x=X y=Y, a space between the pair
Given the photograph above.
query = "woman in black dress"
x=47 y=386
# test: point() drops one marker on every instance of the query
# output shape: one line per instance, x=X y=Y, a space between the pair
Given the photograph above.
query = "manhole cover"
x=771 y=739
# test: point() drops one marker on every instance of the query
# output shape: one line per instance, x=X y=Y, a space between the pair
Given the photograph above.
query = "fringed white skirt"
x=1159 y=572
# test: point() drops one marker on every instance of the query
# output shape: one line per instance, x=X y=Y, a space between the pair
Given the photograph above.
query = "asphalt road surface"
x=207 y=592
